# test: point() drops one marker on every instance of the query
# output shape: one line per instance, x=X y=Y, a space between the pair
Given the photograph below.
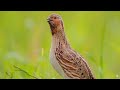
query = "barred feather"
x=64 y=59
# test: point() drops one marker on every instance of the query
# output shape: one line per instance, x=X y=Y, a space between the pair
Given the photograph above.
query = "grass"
x=25 y=41
x=28 y=69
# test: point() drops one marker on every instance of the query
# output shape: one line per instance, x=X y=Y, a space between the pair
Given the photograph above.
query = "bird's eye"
x=54 y=17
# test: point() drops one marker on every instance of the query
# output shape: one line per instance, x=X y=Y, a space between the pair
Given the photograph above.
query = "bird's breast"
x=55 y=63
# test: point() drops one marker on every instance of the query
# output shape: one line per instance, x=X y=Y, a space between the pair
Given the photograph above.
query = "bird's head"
x=55 y=22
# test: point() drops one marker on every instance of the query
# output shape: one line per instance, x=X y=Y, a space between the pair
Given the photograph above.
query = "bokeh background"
x=25 y=41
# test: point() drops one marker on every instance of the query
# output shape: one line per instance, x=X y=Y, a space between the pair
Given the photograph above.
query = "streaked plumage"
x=64 y=59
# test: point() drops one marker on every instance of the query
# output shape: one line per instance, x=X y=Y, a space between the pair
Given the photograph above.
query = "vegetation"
x=25 y=40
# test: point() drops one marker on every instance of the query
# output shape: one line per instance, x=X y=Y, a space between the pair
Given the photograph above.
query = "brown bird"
x=67 y=62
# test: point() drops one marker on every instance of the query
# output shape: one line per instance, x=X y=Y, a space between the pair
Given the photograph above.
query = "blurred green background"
x=25 y=40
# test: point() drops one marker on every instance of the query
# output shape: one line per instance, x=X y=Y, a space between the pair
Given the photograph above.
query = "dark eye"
x=54 y=17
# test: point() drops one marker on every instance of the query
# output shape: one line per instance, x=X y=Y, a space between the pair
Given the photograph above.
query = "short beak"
x=48 y=20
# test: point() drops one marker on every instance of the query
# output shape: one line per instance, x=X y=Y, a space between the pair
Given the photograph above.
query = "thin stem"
x=102 y=48
x=11 y=76
x=25 y=72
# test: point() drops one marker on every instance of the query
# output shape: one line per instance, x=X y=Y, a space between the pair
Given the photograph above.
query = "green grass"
x=25 y=40
x=16 y=69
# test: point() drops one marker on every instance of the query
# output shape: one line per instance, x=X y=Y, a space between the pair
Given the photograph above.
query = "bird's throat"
x=59 y=38
x=54 y=31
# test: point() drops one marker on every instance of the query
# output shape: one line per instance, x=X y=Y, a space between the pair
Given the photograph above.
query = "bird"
x=65 y=60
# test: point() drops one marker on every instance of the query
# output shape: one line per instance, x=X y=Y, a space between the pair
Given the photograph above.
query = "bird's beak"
x=48 y=20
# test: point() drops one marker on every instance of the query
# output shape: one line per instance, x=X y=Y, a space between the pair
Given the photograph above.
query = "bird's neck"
x=59 y=39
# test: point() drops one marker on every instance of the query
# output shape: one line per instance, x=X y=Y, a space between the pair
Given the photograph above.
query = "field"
x=25 y=41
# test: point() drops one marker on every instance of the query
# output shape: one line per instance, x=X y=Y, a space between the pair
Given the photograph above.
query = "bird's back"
x=73 y=64
x=64 y=59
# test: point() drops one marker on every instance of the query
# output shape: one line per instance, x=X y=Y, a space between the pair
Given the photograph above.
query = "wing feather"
x=73 y=64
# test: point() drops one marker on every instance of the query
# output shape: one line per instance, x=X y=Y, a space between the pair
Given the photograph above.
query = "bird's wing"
x=73 y=64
